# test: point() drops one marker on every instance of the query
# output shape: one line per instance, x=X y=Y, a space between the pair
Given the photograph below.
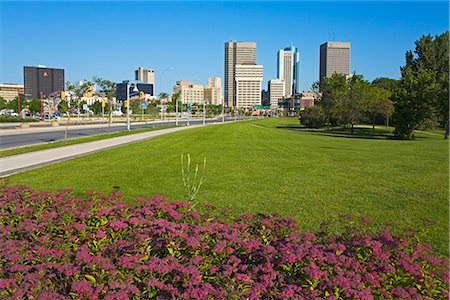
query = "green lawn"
x=257 y=167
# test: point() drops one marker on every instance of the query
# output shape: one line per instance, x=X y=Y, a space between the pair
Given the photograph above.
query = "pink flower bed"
x=56 y=246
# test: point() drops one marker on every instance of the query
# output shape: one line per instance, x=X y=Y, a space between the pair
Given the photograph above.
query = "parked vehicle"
x=117 y=113
x=52 y=116
x=8 y=113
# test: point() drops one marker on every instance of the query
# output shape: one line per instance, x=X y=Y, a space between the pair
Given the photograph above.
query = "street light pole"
x=204 y=111
x=128 y=106
x=176 y=112
x=135 y=89
x=188 y=113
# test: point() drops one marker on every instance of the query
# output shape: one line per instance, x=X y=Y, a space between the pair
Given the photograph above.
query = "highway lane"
x=27 y=139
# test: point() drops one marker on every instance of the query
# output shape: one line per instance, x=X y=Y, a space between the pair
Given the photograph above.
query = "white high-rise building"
x=236 y=53
x=277 y=88
x=248 y=79
x=145 y=75
x=289 y=70
x=213 y=91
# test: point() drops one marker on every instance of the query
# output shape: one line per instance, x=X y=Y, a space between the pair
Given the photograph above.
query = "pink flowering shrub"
x=56 y=246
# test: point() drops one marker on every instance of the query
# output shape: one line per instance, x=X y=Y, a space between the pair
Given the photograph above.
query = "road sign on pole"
x=143 y=105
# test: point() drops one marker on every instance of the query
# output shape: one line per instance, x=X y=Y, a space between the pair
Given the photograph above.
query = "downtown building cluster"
x=243 y=80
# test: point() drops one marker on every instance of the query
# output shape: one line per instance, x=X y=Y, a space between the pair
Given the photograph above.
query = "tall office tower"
x=213 y=91
x=40 y=81
x=277 y=88
x=145 y=75
x=334 y=58
x=236 y=53
x=289 y=70
x=248 y=85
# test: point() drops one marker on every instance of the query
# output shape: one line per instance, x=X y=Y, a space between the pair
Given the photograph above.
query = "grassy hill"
x=272 y=165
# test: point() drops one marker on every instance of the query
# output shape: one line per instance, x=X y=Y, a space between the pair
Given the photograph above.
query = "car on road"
x=53 y=116
x=117 y=113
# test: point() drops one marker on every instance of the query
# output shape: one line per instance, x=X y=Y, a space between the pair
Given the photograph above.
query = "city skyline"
x=380 y=31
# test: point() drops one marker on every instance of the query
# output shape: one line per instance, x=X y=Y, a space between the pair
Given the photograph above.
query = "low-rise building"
x=121 y=89
x=190 y=93
x=308 y=98
x=9 y=91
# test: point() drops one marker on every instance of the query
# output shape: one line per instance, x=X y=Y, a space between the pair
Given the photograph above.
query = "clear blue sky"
x=111 y=39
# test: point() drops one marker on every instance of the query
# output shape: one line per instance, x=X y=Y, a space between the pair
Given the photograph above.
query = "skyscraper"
x=236 y=53
x=145 y=75
x=289 y=70
x=248 y=79
x=40 y=81
x=334 y=58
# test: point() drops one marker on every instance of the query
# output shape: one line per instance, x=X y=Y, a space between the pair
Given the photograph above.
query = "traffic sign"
x=143 y=105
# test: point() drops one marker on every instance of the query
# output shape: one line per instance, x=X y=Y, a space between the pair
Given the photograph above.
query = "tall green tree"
x=108 y=88
x=352 y=105
x=34 y=105
x=414 y=101
x=63 y=106
x=14 y=104
x=429 y=62
x=78 y=92
x=378 y=104
x=333 y=89
x=3 y=103
x=386 y=83
x=163 y=95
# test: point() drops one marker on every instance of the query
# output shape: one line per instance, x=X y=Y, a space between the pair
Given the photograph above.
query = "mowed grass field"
x=257 y=167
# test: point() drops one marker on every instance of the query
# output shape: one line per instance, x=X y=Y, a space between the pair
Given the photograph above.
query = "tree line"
x=418 y=100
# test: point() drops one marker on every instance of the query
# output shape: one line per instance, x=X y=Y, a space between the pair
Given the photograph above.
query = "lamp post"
x=135 y=89
x=162 y=73
x=204 y=111
x=18 y=102
x=188 y=113
x=176 y=111
x=223 y=109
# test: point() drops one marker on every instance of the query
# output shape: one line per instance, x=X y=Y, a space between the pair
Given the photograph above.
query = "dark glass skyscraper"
x=40 y=82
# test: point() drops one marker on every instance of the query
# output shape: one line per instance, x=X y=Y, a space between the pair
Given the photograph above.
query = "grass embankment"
x=22 y=150
x=257 y=167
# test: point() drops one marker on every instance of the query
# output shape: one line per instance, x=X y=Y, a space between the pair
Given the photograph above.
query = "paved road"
x=18 y=163
x=15 y=138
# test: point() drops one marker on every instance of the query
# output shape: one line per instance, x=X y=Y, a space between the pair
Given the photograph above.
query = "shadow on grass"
x=358 y=132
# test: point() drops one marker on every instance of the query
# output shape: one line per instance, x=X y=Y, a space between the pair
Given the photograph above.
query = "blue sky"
x=111 y=39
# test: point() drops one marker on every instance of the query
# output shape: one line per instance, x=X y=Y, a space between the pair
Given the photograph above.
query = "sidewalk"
x=18 y=163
